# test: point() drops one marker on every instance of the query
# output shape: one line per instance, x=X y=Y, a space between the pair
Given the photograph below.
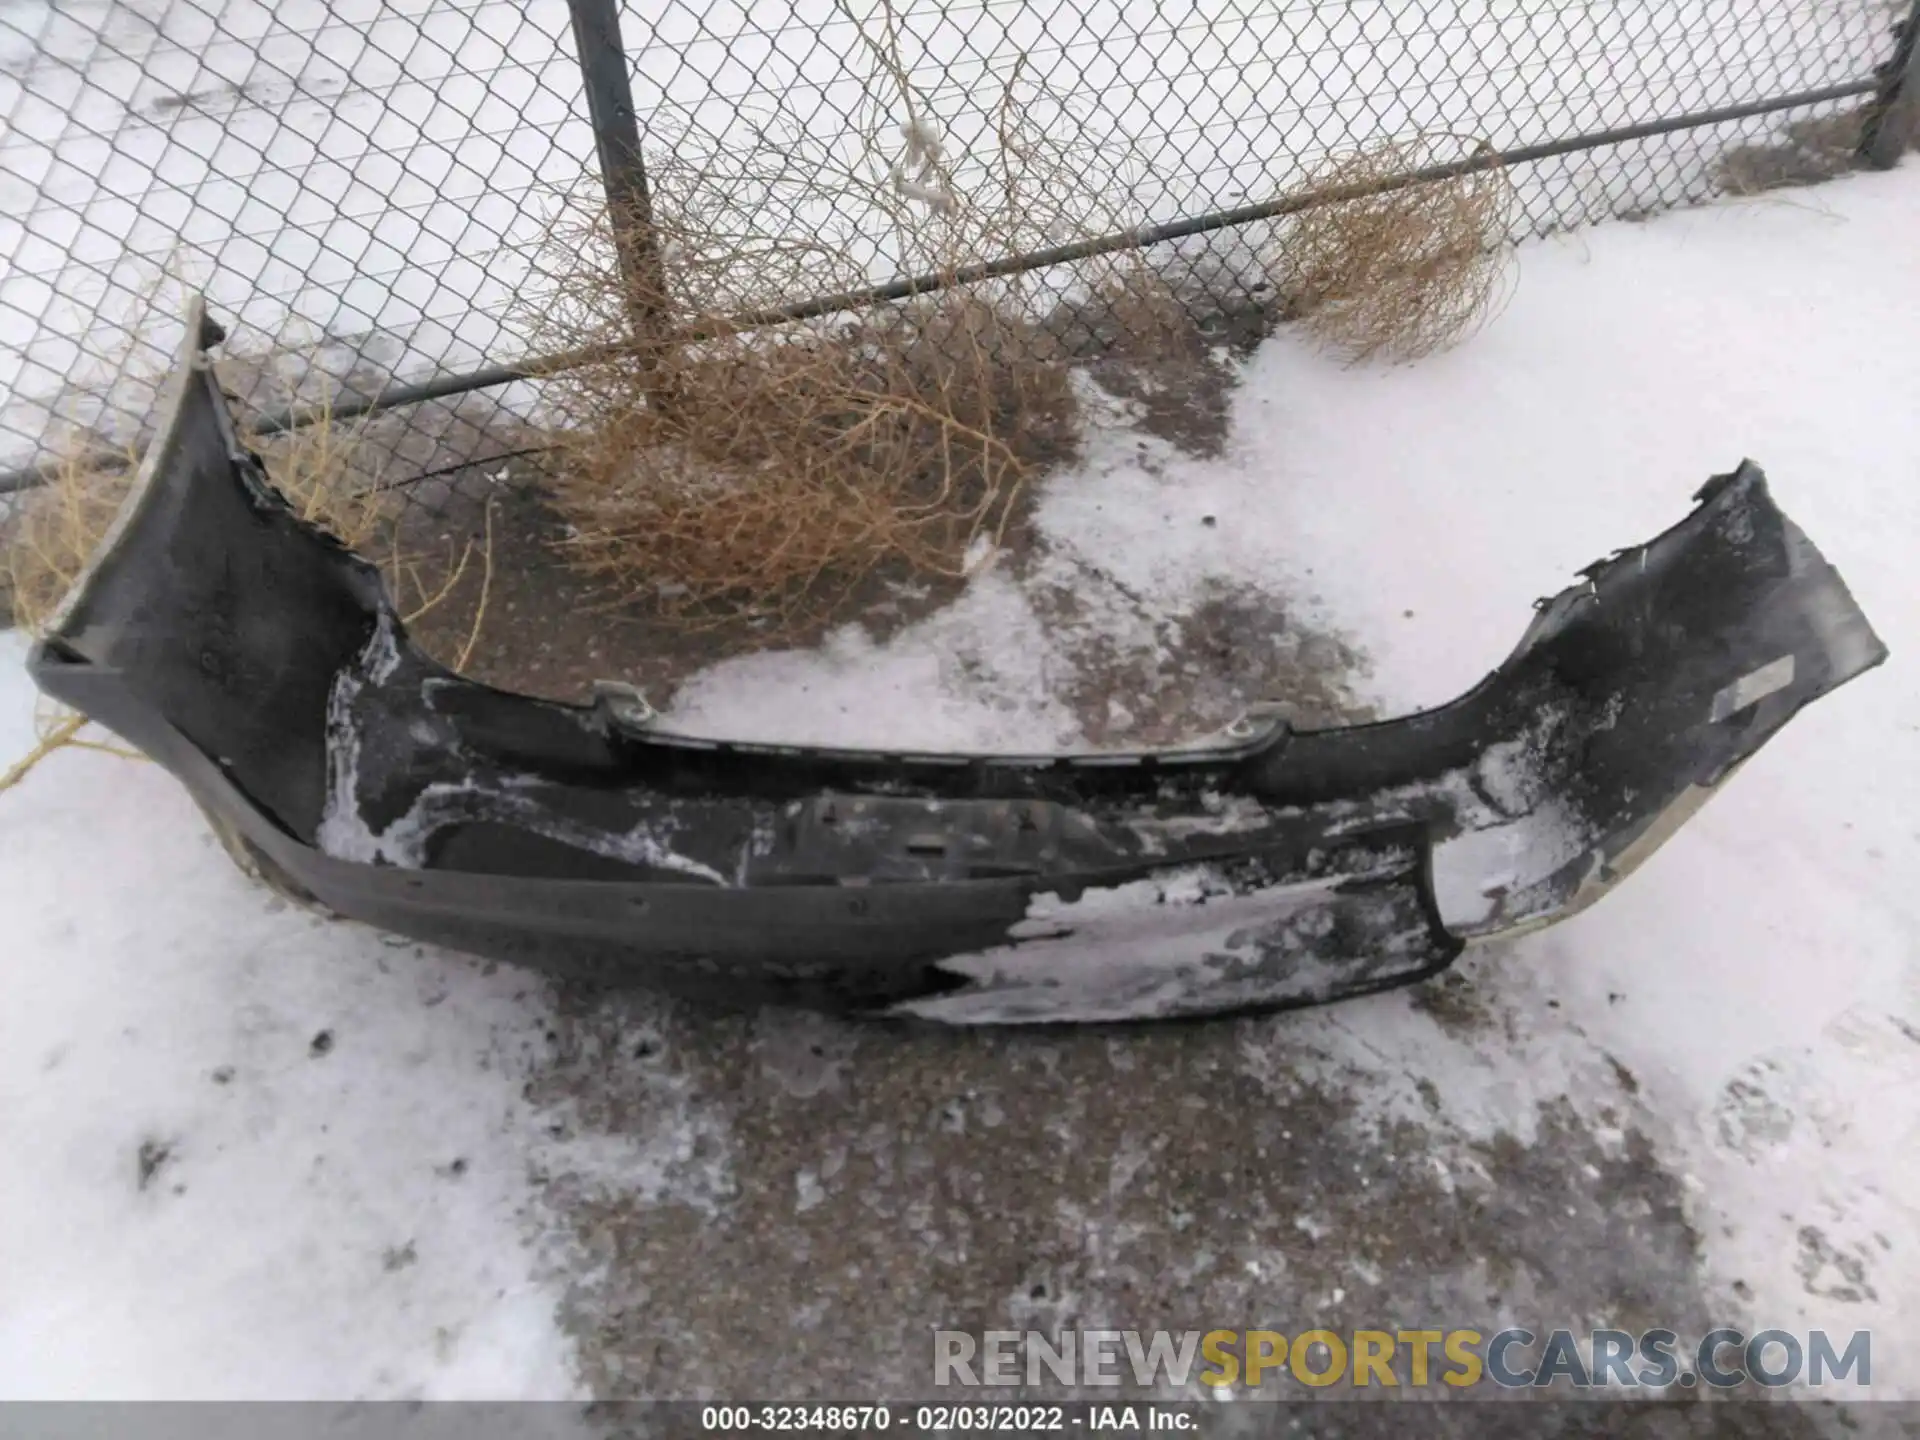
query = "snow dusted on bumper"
x=264 y=665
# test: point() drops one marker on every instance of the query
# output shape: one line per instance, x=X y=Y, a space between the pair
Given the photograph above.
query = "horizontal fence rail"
x=371 y=192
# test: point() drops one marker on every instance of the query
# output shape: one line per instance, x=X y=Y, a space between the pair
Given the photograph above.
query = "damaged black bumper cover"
x=265 y=667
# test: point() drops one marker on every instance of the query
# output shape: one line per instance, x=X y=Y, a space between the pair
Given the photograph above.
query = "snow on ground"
x=1749 y=1002
x=1772 y=951
x=249 y=1153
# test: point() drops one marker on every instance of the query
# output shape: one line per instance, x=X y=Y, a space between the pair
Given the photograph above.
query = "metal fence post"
x=1882 y=138
x=616 y=134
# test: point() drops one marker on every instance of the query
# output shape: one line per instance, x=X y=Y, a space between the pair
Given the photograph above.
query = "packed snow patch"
x=252 y=1153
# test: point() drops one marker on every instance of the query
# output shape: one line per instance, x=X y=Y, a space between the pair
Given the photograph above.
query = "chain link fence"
x=365 y=189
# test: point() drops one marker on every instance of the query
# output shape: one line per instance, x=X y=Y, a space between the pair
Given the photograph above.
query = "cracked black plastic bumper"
x=265 y=667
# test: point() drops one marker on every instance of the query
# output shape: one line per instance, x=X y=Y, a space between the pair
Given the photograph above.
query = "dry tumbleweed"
x=1398 y=272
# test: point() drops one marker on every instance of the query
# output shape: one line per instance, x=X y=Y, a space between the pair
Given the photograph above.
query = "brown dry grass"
x=56 y=728
x=51 y=531
x=322 y=471
x=54 y=528
x=770 y=473
x=790 y=466
x=1401 y=273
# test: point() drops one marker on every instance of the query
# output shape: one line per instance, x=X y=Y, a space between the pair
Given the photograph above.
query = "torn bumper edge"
x=264 y=665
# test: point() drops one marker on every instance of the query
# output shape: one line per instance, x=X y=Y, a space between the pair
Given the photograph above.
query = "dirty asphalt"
x=824 y=1195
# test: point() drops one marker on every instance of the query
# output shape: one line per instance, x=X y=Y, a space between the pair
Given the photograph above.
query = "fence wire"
x=367 y=190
